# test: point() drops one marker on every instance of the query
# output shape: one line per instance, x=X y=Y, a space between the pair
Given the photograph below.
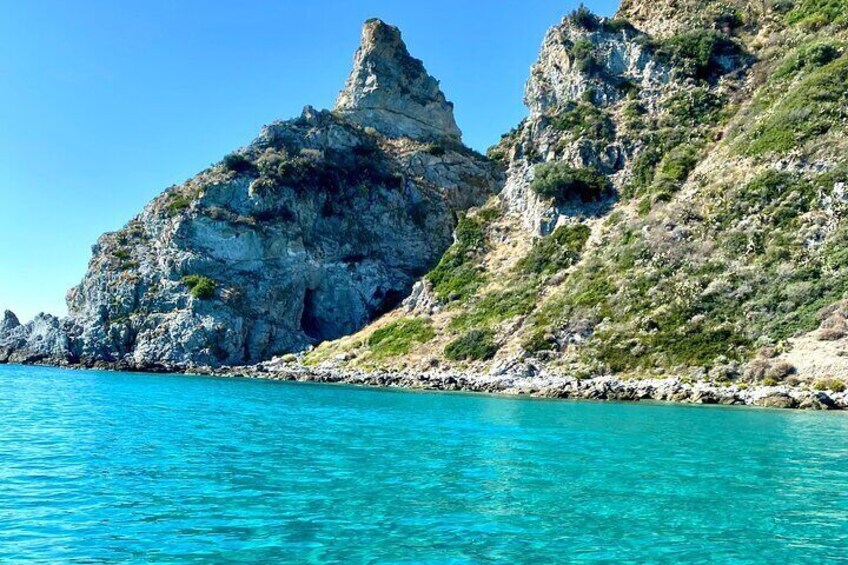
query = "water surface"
x=102 y=467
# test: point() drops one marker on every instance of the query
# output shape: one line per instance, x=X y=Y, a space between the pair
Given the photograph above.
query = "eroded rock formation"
x=318 y=226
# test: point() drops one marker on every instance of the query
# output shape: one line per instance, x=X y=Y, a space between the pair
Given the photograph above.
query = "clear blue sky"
x=103 y=104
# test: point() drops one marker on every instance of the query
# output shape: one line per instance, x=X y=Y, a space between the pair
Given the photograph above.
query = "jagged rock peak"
x=9 y=321
x=390 y=90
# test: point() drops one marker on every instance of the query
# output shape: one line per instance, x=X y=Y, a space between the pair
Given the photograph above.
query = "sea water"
x=106 y=467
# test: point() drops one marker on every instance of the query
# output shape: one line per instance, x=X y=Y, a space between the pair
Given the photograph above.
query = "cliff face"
x=674 y=205
x=312 y=230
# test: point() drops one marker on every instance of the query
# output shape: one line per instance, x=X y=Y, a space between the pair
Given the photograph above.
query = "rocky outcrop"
x=671 y=210
x=671 y=227
x=41 y=340
x=585 y=74
x=664 y=18
x=390 y=91
x=603 y=64
x=318 y=226
x=9 y=321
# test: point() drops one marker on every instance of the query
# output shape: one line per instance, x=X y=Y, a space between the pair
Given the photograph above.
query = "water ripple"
x=111 y=468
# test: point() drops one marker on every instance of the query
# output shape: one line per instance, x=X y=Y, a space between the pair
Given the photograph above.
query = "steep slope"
x=319 y=225
x=674 y=206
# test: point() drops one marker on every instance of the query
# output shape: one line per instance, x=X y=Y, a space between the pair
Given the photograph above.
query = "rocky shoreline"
x=551 y=386
x=543 y=385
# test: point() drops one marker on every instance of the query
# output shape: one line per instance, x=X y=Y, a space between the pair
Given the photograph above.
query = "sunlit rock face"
x=318 y=226
x=391 y=91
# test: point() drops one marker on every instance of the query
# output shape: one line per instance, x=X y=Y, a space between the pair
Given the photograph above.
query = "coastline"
x=672 y=390
x=544 y=385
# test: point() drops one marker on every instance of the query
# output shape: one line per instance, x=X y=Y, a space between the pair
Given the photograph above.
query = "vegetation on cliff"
x=681 y=213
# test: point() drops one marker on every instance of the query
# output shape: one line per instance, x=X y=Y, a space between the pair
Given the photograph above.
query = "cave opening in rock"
x=387 y=300
x=309 y=321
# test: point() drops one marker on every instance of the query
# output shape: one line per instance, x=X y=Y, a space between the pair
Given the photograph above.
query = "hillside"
x=674 y=206
x=668 y=216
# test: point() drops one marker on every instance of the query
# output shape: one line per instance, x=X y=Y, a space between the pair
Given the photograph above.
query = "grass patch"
x=498 y=306
x=817 y=14
x=456 y=276
x=398 y=337
x=558 y=251
x=474 y=345
x=809 y=110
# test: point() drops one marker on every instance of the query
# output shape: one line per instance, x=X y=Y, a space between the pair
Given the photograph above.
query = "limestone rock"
x=318 y=226
x=391 y=91
x=663 y=18
x=9 y=321
x=581 y=72
x=41 y=340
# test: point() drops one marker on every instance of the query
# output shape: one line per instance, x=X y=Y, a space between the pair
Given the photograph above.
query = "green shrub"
x=634 y=110
x=832 y=385
x=498 y=306
x=474 y=345
x=768 y=187
x=564 y=183
x=698 y=54
x=342 y=174
x=499 y=154
x=817 y=55
x=693 y=108
x=122 y=254
x=435 y=149
x=556 y=252
x=398 y=337
x=678 y=163
x=238 y=164
x=200 y=287
x=669 y=344
x=585 y=120
x=539 y=340
x=583 y=18
x=583 y=56
x=728 y=19
x=816 y=14
x=617 y=25
x=177 y=203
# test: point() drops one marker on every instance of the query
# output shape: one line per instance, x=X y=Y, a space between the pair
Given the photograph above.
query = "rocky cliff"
x=318 y=226
x=674 y=208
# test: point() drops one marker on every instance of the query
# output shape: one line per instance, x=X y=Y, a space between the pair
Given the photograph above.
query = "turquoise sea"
x=100 y=467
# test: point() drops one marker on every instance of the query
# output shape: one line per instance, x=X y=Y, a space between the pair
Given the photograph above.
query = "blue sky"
x=103 y=104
